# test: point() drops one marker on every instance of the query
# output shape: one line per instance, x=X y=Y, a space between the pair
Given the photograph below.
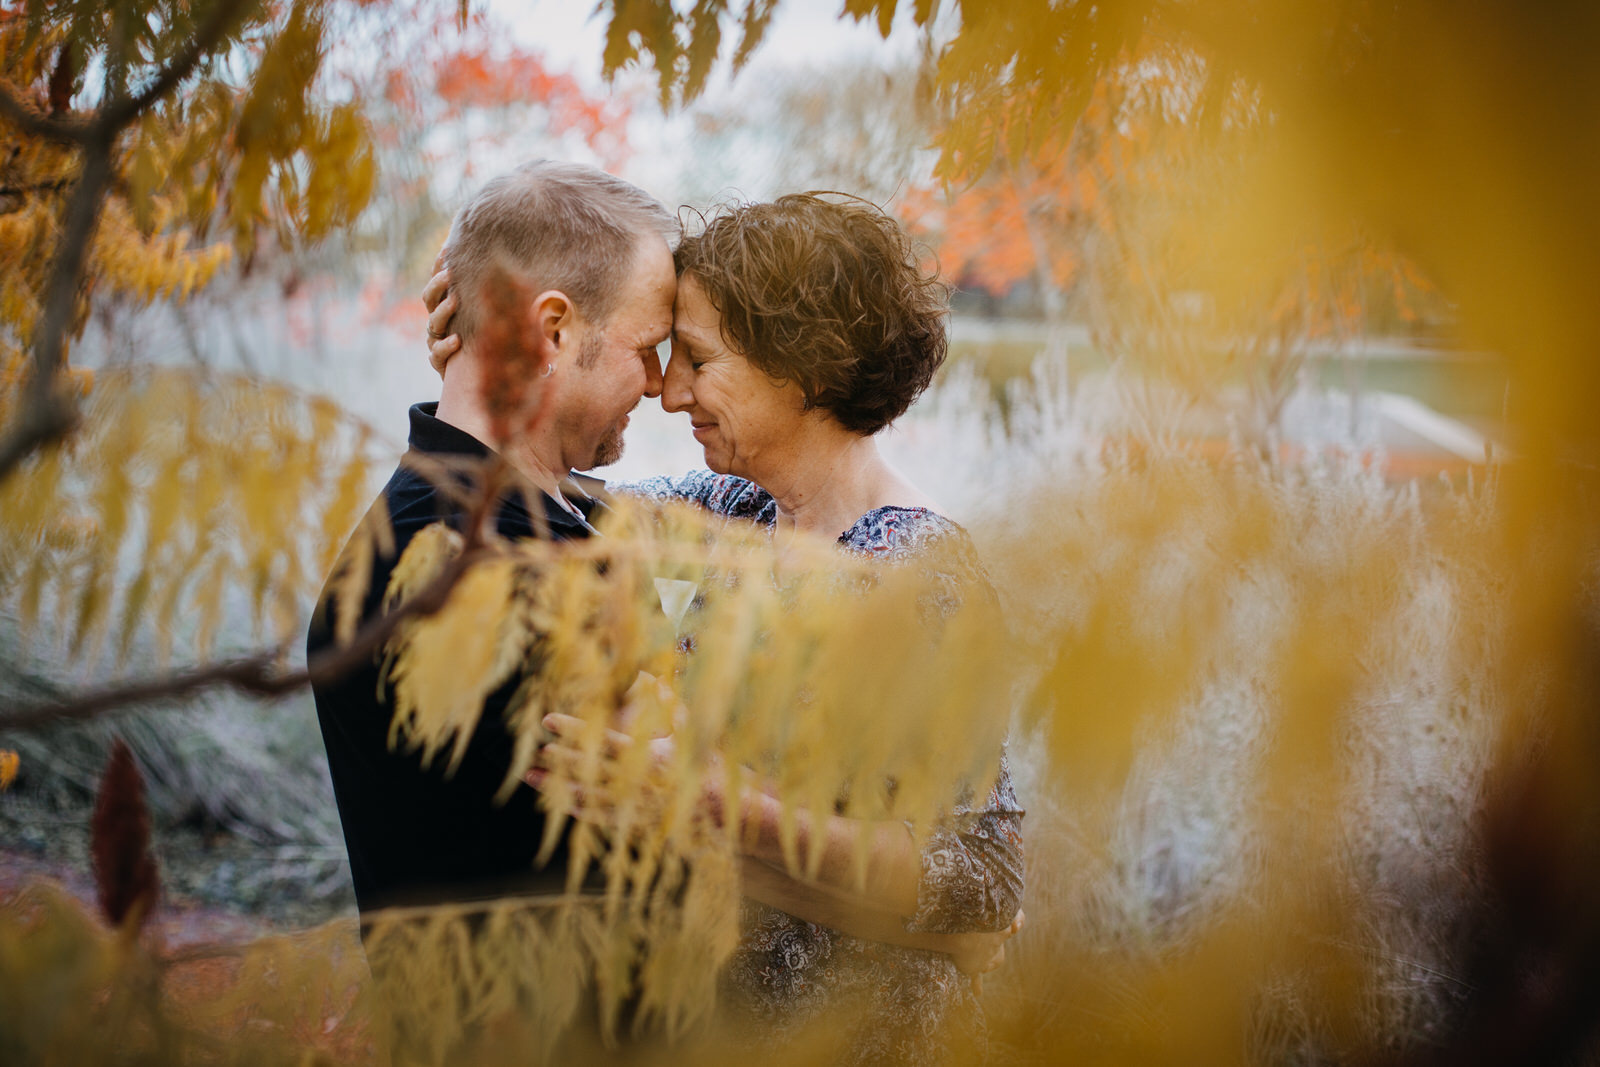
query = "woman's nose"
x=677 y=390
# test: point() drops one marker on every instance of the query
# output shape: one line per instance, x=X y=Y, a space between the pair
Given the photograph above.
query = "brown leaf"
x=119 y=840
x=61 y=80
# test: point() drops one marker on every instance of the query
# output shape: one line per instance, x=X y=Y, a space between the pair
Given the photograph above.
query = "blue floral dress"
x=788 y=972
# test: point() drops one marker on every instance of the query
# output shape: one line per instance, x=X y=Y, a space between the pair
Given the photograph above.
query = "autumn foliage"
x=1380 y=699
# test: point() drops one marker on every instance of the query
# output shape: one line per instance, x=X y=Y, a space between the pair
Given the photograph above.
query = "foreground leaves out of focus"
x=1310 y=756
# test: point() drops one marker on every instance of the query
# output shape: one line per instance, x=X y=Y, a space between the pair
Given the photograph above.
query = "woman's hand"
x=597 y=802
x=976 y=955
x=440 y=301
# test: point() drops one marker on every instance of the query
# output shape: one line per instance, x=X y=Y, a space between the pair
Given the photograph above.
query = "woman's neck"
x=834 y=479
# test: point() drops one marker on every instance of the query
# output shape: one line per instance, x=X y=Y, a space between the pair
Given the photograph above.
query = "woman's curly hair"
x=827 y=294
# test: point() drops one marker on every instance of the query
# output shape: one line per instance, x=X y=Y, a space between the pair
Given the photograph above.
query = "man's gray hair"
x=553 y=225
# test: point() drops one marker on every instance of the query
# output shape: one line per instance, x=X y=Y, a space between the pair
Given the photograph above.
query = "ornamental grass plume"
x=119 y=842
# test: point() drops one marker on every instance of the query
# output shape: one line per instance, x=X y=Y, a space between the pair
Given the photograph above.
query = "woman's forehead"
x=694 y=316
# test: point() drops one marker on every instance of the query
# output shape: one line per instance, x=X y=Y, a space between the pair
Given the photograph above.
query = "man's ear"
x=552 y=317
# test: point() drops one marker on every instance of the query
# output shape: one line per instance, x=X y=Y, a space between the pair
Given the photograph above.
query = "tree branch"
x=49 y=127
x=41 y=425
x=49 y=410
x=257 y=674
x=118 y=113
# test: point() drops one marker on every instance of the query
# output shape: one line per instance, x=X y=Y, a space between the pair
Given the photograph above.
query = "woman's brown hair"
x=828 y=294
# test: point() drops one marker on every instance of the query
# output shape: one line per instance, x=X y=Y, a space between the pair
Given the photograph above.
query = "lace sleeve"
x=972 y=866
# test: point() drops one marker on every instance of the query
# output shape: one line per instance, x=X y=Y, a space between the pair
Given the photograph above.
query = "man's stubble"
x=611 y=445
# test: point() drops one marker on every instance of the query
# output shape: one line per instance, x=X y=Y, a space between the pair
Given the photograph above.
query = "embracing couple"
x=799 y=330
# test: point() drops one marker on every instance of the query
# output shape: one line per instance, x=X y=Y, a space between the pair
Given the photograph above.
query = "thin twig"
x=257 y=674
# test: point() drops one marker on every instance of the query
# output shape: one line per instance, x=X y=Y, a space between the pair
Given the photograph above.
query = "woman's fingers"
x=437 y=287
x=569 y=727
x=440 y=301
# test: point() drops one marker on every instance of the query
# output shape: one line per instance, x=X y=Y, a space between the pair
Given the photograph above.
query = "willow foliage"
x=183 y=489
x=835 y=685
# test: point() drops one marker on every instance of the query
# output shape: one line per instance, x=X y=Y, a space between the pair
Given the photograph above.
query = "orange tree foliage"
x=1123 y=199
x=446 y=98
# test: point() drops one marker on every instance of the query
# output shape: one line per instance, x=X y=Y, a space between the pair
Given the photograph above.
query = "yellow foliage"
x=179 y=487
x=217 y=142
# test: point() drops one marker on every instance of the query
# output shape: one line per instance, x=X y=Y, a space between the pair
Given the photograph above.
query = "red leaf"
x=61 y=81
x=119 y=840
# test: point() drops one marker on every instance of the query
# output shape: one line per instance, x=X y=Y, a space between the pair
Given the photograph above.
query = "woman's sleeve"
x=972 y=866
x=720 y=494
x=693 y=487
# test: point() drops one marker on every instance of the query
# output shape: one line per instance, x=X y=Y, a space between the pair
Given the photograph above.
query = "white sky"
x=804 y=33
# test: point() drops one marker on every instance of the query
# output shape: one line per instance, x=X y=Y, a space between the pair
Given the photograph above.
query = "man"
x=591 y=254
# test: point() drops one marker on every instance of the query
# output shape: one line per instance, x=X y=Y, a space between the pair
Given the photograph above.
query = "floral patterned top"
x=787 y=972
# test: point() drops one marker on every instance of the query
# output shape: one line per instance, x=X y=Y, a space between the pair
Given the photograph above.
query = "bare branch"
x=258 y=674
x=118 y=113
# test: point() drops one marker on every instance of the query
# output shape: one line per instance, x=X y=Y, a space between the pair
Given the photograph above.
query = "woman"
x=802 y=328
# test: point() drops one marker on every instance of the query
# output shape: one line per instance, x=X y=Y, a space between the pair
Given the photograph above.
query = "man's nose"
x=676 y=393
x=652 y=373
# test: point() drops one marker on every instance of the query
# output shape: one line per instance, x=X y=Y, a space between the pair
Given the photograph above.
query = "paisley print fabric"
x=912 y=1006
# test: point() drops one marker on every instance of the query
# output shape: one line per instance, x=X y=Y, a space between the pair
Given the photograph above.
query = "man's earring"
x=549 y=369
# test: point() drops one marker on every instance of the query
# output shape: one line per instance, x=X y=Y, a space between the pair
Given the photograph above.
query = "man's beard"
x=610 y=449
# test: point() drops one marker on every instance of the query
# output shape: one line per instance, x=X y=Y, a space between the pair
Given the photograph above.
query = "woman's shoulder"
x=937 y=545
x=722 y=494
x=895 y=532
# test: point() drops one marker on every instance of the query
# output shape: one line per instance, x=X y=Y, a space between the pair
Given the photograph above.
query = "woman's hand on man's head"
x=440 y=301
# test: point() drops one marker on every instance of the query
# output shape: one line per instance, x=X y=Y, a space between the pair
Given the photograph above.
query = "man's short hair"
x=552 y=225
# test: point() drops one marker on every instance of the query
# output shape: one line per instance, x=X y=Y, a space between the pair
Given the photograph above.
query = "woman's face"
x=744 y=420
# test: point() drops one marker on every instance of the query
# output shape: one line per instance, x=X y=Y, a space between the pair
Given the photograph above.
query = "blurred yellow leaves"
x=180 y=490
x=9 y=764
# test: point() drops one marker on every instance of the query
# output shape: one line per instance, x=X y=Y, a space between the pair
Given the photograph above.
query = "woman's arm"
x=974 y=954
x=967 y=878
x=893 y=866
